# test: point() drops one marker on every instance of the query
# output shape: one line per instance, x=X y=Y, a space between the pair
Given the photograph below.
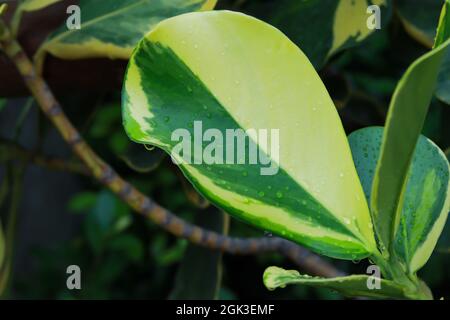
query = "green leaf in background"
x=443 y=245
x=166 y=253
x=443 y=33
x=33 y=5
x=443 y=88
x=111 y=29
x=352 y=286
x=323 y=27
x=443 y=30
x=422 y=21
x=128 y=245
x=106 y=217
x=420 y=18
x=142 y=160
x=2 y=104
x=3 y=8
x=426 y=199
x=28 y=6
x=263 y=81
x=407 y=112
x=199 y=275
x=82 y=202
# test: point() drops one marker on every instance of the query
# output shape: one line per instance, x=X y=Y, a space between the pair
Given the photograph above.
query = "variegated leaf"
x=225 y=70
x=407 y=111
x=33 y=5
x=339 y=24
x=28 y=6
x=111 y=29
x=420 y=18
x=354 y=285
x=426 y=198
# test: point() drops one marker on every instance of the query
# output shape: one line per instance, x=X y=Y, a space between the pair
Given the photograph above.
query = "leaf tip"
x=275 y=277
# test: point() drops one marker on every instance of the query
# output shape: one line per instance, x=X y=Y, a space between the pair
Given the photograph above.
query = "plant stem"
x=392 y=269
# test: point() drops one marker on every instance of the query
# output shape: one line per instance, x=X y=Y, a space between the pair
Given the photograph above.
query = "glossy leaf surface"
x=351 y=286
x=223 y=70
x=426 y=198
x=111 y=29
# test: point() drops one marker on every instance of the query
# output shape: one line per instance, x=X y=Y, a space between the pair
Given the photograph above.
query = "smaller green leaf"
x=107 y=216
x=129 y=246
x=122 y=223
x=82 y=202
x=443 y=30
x=443 y=87
x=407 y=113
x=443 y=33
x=166 y=254
x=420 y=18
x=426 y=198
x=352 y=286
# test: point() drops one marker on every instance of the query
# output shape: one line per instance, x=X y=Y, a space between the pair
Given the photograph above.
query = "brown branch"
x=106 y=175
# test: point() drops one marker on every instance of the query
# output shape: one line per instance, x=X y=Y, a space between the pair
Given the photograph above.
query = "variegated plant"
x=109 y=29
x=339 y=24
x=382 y=194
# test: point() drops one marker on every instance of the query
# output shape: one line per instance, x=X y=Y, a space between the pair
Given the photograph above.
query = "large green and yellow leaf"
x=231 y=71
x=407 y=112
x=323 y=27
x=426 y=198
x=351 y=286
x=111 y=29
